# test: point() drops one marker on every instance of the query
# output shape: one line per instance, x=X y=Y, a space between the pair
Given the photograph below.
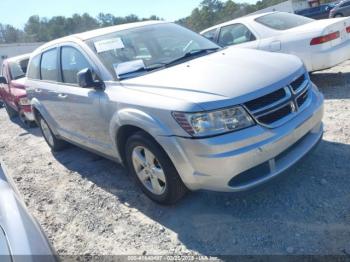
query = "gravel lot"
x=88 y=205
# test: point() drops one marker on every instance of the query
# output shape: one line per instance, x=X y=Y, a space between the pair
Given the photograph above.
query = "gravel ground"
x=88 y=205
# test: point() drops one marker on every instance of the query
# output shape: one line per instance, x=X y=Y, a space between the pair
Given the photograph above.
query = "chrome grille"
x=279 y=106
x=297 y=84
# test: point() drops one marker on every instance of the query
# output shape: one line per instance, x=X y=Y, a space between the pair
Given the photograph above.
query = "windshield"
x=283 y=21
x=148 y=47
x=18 y=68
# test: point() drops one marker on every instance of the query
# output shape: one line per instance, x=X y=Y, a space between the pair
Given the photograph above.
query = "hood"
x=232 y=74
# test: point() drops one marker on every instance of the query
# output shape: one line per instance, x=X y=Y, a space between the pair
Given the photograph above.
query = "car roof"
x=240 y=19
x=97 y=32
x=18 y=58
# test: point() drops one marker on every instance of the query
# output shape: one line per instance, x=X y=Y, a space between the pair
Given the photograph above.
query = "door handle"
x=62 y=96
x=37 y=90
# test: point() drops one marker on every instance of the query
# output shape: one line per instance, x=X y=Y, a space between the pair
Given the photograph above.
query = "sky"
x=170 y=10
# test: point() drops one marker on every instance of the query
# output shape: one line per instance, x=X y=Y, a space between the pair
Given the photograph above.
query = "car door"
x=2 y=86
x=44 y=85
x=347 y=8
x=237 y=35
x=5 y=88
x=344 y=8
x=80 y=112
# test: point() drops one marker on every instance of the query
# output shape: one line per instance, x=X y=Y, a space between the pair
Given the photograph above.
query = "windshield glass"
x=149 y=47
x=18 y=68
x=283 y=21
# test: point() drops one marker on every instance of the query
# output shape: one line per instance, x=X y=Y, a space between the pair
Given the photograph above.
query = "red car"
x=12 y=89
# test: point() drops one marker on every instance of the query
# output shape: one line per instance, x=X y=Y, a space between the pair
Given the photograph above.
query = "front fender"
x=140 y=119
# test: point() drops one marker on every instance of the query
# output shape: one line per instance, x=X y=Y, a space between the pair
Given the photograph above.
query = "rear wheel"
x=153 y=170
x=12 y=113
x=54 y=143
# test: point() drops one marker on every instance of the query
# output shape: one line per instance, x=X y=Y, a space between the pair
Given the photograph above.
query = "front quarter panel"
x=122 y=106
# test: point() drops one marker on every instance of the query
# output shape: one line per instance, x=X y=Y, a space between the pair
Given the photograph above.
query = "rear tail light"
x=325 y=38
x=348 y=29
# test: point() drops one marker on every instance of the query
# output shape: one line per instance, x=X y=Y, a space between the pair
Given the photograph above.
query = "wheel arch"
x=127 y=122
x=40 y=111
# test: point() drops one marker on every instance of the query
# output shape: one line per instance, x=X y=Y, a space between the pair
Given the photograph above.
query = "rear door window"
x=34 y=68
x=48 y=66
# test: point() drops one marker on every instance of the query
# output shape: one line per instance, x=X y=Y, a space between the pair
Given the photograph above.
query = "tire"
x=338 y=15
x=10 y=111
x=54 y=143
x=172 y=188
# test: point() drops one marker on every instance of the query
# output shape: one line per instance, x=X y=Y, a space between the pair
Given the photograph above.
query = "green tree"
x=9 y=34
x=36 y=30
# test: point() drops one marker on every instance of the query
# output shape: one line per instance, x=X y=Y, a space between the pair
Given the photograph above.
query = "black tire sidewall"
x=57 y=144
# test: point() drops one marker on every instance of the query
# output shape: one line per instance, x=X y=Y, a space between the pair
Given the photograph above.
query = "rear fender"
x=36 y=105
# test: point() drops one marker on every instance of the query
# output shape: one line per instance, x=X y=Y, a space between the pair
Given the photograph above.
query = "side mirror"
x=86 y=80
x=3 y=80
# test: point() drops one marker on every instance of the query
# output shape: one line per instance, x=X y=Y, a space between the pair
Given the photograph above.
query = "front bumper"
x=330 y=57
x=227 y=163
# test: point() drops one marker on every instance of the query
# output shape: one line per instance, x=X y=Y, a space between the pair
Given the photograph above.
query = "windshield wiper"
x=158 y=65
x=192 y=53
x=139 y=70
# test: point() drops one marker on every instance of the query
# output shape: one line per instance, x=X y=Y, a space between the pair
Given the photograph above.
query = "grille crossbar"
x=271 y=109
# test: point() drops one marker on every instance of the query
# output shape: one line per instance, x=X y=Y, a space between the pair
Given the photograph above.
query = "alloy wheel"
x=149 y=170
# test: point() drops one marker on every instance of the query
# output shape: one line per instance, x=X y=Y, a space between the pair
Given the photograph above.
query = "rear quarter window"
x=34 y=68
x=210 y=34
x=48 y=68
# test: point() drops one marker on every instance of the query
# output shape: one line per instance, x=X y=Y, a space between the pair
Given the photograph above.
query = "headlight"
x=24 y=101
x=214 y=122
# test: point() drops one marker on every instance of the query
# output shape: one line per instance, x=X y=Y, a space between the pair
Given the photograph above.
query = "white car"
x=320 y=44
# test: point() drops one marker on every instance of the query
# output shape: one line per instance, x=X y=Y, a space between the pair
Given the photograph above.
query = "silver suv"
x=176 y=109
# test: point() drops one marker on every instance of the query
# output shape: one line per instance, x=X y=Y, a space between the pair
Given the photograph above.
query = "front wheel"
x=54 y=143
x=153 y=170
x=338 y=15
